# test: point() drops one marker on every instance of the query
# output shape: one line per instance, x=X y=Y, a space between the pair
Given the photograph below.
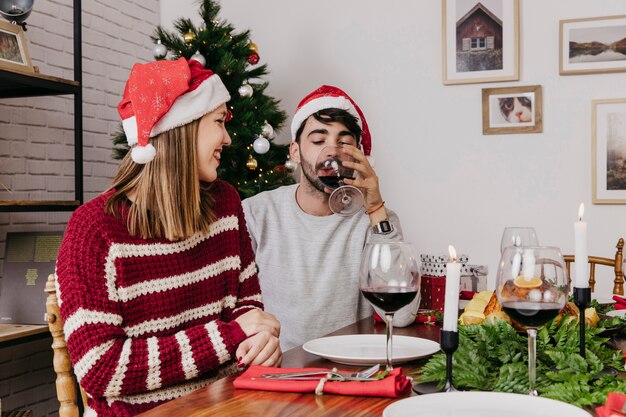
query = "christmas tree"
x=253 y=163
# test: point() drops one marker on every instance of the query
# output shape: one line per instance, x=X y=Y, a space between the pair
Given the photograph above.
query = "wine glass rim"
x=532 y=247
x=390 y=242
x=519 y=227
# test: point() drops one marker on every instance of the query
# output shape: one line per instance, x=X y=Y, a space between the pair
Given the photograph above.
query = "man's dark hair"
x=327 y=116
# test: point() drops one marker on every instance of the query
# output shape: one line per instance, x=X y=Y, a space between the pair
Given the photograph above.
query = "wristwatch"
x=383 y=227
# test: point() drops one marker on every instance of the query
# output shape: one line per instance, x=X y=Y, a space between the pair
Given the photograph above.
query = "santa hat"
x=329 y=97
x=162 y=95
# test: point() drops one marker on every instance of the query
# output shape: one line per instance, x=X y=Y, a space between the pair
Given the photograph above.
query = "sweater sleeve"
x=249 y=293
x=108 y=360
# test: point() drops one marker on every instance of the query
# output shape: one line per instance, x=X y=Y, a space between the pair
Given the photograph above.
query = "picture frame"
x=592 y=45
x=480 y=41
x=14 y=49
x=608 y=127
x=512 y=110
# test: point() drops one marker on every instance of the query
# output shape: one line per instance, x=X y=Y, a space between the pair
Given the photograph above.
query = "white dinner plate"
x=616 y=313
x=368 y=349
x=481 y=404
x=604 y=300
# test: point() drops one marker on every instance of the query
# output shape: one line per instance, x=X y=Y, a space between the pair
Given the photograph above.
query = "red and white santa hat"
x=162 y=95
x=327 y=97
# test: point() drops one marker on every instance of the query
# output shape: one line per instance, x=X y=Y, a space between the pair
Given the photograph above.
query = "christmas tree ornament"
x=189 y=37
x=252 y=46
x=268 y=131
x=159 y=51
x=290 y=165
x=199 y=57
x=251 y=163
x=245 y=90
x=261 y=145
x=253 y=58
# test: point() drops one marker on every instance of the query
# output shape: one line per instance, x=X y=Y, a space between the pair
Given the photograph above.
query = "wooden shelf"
x=18 y=331
x=38 y=205
x=30 y=84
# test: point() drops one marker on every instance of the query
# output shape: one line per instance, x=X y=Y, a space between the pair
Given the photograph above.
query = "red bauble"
x=253 y=58
x=279 y=169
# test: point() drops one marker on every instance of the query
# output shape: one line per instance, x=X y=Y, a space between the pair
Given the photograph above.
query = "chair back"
x=615 y=262
x=66 y=384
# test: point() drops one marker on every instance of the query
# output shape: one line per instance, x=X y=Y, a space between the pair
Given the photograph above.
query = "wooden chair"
x=616 y=263
x=66 y=385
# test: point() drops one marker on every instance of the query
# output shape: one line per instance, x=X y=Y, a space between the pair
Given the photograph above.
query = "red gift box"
x=433 y=291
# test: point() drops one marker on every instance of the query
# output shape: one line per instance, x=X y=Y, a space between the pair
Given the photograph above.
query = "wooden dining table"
x=221 y=399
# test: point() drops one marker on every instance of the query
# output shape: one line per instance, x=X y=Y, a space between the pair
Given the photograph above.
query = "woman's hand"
x=257 y=321
x=261 y=349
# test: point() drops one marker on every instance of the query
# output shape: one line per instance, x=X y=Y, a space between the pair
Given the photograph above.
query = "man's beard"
x=310 y=173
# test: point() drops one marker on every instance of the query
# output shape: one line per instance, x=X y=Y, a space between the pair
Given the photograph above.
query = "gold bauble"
x=189 y=37
x=251 y=163
x=252 y=46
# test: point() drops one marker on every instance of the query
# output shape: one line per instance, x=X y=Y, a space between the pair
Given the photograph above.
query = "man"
x=308 y=258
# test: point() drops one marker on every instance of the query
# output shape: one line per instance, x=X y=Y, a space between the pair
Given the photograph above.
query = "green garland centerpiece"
x=492 y=356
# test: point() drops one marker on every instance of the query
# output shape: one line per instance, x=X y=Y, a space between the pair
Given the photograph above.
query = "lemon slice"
x=484 y=295
x=476 y=304
x=522 y=282
x=471 y=317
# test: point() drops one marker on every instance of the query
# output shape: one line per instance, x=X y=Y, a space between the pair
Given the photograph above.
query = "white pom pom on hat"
x=162 y=95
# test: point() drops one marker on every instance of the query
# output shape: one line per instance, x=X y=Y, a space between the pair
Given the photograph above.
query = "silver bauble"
x=245 y=90
x=159 y=51
x=261 y=145
x=199 y=57
x=268 y=131
x=290 y=165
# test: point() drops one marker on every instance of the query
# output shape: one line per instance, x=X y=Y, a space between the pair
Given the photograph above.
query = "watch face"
x=383 y=227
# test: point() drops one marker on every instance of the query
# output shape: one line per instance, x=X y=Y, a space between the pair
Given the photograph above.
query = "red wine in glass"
x=389 y=299
x=531 y=314
x=333 y=181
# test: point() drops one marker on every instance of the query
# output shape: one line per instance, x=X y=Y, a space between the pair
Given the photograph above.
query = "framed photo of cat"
x=480 y=41
x=609 y=151
x=592 y=45
x=512 y=110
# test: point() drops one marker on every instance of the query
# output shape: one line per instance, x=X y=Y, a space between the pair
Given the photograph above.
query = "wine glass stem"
x=532 y=361
x=389 y=322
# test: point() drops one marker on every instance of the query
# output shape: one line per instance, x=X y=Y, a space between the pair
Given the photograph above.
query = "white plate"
x=604 y=300
x=368 y=349
x=616 y=313
x=481 y=404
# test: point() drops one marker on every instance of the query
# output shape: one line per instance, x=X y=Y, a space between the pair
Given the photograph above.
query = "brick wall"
x=36 y=135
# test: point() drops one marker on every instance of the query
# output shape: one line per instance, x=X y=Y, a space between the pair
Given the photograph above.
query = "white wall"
x=449 y=183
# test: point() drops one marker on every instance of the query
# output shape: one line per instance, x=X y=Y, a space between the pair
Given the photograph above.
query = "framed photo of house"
x=512 y=110
x=592 y=45
x=480 y=41
x=13 y=48
x=609 y=151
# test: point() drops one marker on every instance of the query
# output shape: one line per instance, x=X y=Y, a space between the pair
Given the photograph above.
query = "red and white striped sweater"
x=151 y=320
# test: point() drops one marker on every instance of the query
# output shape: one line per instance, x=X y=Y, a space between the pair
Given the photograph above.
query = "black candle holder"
x=449 y=344
x=582 y=299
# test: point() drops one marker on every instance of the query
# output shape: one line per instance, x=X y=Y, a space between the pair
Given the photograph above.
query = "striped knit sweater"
x=147 y=321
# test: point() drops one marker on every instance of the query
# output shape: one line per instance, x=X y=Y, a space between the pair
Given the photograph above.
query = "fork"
x=364 y=374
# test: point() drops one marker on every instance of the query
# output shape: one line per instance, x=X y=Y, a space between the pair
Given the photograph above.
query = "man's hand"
x=261 y=349
x=257 y=321
x=367 y=180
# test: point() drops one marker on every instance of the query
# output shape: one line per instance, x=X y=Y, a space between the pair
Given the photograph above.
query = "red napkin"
x=393 y=385
x=467 y=295
x=620 y=302
x=614 y=403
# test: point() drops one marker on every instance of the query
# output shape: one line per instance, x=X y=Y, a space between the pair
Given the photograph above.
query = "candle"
x=451 y=303
x=580 y=251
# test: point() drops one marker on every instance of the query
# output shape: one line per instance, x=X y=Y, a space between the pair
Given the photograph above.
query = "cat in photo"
x=516 y=109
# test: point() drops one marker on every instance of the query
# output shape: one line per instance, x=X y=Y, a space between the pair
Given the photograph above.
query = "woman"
x=157 y=281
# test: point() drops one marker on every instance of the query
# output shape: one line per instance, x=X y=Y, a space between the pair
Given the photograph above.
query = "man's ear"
x=294 y=152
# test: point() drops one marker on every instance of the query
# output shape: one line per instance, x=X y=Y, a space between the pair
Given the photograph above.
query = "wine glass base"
x=423 y=388
x=533 y=393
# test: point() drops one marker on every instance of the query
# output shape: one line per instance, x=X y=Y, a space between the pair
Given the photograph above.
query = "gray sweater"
x=308 y=265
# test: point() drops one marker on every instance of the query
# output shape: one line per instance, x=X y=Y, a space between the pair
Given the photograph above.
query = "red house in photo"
x=478 y=30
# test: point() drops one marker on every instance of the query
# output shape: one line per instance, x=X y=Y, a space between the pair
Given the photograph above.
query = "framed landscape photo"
x=592 y=45
x=13 y=48
x=609 y=151
x=480 y=41
x=512 y=110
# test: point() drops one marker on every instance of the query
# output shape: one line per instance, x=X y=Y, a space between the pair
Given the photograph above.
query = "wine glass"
x=389 y=280
x=518 y=236
x=344 y=200
x=532 y=287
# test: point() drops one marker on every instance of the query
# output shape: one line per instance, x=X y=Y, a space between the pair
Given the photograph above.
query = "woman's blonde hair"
x=169 y=199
